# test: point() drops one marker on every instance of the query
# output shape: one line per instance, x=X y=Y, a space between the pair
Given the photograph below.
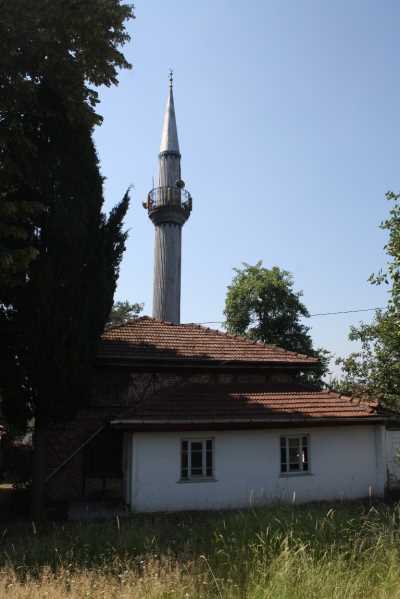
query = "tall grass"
x=318 y=551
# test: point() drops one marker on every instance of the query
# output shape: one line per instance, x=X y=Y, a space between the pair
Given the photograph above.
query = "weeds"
x=281 y=552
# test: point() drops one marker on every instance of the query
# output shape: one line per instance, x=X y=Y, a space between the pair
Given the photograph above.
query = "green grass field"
x=315 y=551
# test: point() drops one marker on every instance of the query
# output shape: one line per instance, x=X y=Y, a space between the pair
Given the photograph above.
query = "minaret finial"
x=171 y=77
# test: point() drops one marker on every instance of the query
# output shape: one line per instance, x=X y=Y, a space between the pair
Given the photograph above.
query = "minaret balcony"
x=168 y=204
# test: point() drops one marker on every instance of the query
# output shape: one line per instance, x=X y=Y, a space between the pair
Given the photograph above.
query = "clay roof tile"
x=148 y=338
x=251 y=402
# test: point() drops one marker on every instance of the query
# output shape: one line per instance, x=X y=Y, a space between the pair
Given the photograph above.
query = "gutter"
x=167 y=363
x=148 y=421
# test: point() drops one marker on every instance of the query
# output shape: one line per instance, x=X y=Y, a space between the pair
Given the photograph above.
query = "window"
x=197 y=459
x=294 y=454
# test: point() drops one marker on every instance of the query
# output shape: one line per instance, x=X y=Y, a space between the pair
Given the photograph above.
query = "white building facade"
x=249 y=467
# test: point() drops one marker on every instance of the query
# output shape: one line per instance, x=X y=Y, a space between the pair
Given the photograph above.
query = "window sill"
x=200 y=479
x=294 y=474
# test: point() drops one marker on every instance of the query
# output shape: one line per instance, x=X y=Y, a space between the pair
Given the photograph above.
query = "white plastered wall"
x=345 y=463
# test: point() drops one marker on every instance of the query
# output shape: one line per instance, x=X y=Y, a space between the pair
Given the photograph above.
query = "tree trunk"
x=39 y=472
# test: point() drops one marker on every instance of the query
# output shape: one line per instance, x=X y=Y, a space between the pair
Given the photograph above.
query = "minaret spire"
x=169 y=206
x=169 y=137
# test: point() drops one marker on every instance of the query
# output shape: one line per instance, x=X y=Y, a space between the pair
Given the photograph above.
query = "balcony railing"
x=168 y=196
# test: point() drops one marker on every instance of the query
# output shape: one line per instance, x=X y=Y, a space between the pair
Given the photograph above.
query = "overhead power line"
x=311 y=315
x=346 y=312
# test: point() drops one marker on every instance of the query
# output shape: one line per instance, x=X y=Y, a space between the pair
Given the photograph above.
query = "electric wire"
x=311 y=315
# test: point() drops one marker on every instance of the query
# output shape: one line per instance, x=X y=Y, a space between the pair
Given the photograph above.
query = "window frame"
x=302 y=471
x=203 y=477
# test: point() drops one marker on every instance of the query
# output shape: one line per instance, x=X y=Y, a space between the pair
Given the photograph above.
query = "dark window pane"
x=209 y=463
x=196 y=456
x=197 y=471
x=196 y=446
x=294 y=454
x=197 y=461
x=305 y=441
x=184 y=459
x=209 y=445
x=283 y=455
x=305 y=467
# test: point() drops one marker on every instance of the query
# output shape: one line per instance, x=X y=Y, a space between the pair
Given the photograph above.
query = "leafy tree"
x=340 y=385
x=374 y=371
x=16 y=243
x=261 y=304
x=52 y=51
x=122 y=312
x=58 y=49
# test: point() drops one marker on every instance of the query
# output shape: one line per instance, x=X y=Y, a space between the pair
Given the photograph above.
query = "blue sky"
x=288 y=119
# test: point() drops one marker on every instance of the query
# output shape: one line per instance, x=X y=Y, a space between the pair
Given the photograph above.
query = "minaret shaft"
x=169 y=206
x=167 y=272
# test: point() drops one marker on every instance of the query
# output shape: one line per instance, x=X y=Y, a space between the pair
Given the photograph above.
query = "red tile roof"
x=150 y=339
x=252 y=403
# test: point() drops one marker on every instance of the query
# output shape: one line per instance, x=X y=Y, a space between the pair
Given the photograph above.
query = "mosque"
x=182 y=417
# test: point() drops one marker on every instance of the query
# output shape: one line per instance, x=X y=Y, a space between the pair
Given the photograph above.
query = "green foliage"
x=53 y=55
x=323 y=551
x=72 y=45
x=16 y=243
x=261 y=304
x=60 y=312
x=342 y=385
x=375 y=369
x=54 y=237
x=122 y=312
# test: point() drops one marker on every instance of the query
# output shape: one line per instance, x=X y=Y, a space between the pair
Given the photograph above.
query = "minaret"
x=169 y=206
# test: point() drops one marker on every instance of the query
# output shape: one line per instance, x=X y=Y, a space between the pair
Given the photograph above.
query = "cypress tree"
x=60 y=312
x=51 y=321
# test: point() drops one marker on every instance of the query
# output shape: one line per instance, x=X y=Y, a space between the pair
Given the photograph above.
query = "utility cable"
x=311 y=315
